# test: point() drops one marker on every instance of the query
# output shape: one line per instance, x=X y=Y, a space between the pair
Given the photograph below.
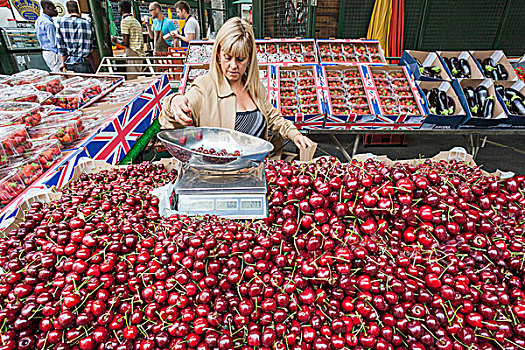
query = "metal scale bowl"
x=227 y=186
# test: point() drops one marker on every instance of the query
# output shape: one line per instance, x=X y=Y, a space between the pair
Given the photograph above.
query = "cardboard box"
x=285 y=52
x=400 y=112
x=499 y=117
x=118 y=80
x=410 y=58
x=439 y=121
x=516 y=120
x=475 y=72
x=191 y=72
x=85 y=166
x=269 y=51
x=498 y=57
x=199 y=52
x=350 y=51
x=288 y=99
x=336 y=120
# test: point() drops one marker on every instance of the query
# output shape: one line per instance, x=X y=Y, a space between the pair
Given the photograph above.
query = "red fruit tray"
x=13 y=113
x=26 y=77
x=350 y=51
x=11 y=185
x=348 y=105
x=69 y=99
x=66 y=132
x=91 y=91
x=47 y=152
x=14 y=140
x=297 y=93
x=286 y=51
x=52 y=84
x=29 y=168
x=392 y=88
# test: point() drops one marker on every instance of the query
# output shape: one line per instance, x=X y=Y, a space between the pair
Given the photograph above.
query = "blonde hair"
x=236 y=38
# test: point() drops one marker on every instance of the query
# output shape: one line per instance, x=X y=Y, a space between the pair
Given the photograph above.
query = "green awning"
x=242 y=2
x=112 y=26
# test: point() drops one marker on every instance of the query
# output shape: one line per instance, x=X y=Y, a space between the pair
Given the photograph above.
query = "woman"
x=231 y=95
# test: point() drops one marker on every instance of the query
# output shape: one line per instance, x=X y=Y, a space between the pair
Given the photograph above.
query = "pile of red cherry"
x=358 y=255
x=213 y=152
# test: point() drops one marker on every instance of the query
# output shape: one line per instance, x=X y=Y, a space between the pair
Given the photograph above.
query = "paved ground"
x=502 y=152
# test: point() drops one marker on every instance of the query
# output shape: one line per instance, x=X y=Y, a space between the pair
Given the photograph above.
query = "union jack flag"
x=407 y=126
x=273 y=78
x=411 y=119
x=347 y=121
x=118 y=135
x=386 y=119
x=337 y=122
x=313 y=123
x=366 y=75
x=363 y=126
x=373 y=101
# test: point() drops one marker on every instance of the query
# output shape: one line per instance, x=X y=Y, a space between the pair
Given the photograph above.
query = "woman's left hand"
x=302 y=141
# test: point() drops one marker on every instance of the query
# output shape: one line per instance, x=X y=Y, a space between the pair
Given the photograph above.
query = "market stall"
x=219 y=247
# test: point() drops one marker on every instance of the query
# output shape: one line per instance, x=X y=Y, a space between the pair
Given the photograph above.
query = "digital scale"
x=226 y=186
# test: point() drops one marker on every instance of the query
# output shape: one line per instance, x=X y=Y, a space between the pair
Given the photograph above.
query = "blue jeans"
x=80 y=67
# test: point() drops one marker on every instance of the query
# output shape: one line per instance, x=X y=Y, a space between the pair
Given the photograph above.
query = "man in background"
x=75 y=41
x=191 y=29
x=46 y=35
x=132 y=39
x=162 y=27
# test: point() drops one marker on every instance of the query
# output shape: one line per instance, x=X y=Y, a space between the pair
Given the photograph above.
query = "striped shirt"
x=251 y=123
x=130 y=26
x=74 y=39
x=46 y=33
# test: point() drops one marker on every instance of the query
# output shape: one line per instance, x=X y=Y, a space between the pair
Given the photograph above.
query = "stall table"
x=476 y=138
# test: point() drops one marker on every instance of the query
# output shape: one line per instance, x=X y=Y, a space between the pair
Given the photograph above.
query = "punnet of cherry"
x=362 y=255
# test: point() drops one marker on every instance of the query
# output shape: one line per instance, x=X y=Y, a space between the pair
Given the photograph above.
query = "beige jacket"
x=213 y=104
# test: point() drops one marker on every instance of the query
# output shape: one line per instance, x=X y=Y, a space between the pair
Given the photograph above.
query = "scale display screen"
x=251 y=204
x=227 y=204
x=201 y=205
x=234 y=206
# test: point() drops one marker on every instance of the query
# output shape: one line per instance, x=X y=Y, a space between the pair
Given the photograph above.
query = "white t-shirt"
x=192 y=26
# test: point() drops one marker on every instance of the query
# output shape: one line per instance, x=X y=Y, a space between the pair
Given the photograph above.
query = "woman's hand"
x=302 y=141
x=180 y=110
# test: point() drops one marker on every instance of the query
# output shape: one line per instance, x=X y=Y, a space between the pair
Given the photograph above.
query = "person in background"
x=75 y=41
x=231 y=95
x=132 y=40
x=162 y=27
x=191 y=29
x=46 y=35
